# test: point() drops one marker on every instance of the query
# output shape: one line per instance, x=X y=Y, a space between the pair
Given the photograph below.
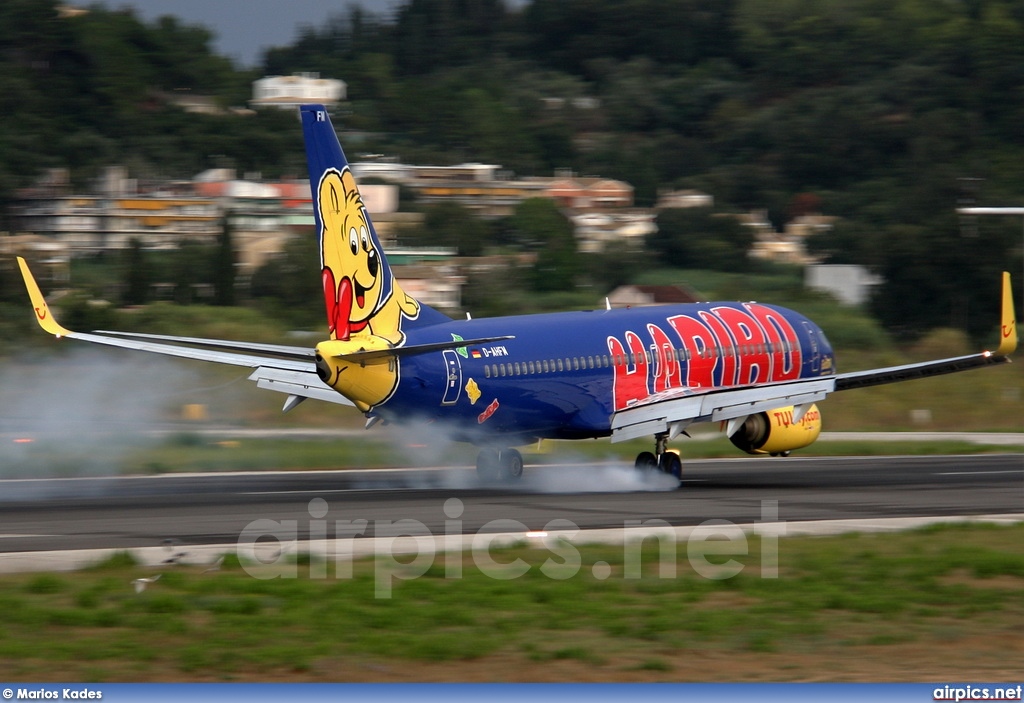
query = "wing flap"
x=301 y=384
x=659 y=414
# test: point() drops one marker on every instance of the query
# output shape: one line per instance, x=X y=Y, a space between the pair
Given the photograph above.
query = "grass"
x=901 y=600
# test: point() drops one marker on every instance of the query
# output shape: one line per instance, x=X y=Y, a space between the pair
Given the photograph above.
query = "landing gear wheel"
x=488 y=466
x=646 y=462
x=511 y=465
x=671 y=464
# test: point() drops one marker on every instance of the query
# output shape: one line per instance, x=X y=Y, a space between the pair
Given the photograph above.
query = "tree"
x=700 y=238
x=189 y=266
x=291 y=282
x=450 y=225
x=538 y=224
x=224 y=265
x=138 y=277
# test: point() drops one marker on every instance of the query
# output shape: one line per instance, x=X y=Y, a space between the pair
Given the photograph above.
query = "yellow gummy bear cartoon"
x=365 y=305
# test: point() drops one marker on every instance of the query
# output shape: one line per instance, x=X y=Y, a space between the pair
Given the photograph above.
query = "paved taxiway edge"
x=331 y=549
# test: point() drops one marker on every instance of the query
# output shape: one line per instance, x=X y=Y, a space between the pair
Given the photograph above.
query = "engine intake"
x=776 y=432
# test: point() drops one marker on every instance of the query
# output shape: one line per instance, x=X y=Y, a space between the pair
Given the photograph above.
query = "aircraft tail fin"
x=360 y=291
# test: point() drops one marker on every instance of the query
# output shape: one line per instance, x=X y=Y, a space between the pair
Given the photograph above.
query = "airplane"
x=758 y=370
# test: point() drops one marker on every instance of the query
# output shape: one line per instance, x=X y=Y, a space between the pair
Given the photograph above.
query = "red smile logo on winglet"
x=41 y=313
x=1008 y=330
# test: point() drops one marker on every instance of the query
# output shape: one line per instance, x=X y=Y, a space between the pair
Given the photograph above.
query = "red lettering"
x=724 y=347
x=698 y=343
x=787 y=357
x=667 y=373
x=755 y=363
x=630 y=384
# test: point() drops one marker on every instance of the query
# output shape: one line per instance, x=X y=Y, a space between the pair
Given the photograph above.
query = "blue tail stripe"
x=324 y=154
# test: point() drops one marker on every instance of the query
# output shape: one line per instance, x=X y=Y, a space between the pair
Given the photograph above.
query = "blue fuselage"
x=565 y=374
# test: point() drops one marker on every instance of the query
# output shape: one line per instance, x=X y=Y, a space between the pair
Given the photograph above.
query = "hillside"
x=886 y=115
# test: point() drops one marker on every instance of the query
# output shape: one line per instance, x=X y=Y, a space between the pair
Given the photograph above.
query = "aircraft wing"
x=906 y=372
x=280 y=368
x=672 y=411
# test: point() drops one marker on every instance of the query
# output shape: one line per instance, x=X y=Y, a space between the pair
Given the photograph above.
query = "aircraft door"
x=453 y=384
x=812 y=336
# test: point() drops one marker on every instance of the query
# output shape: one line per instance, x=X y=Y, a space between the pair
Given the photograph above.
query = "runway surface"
x=130 y=512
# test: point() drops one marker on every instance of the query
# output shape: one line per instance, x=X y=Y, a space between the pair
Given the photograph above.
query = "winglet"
x=43 y=315
x=1008 y=321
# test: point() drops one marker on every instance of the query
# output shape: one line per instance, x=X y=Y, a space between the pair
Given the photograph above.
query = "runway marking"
x=321 y=492
x=979 y=473
x=15 y=536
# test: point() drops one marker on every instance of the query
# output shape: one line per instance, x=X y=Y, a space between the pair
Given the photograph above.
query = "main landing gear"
x=662 y=460
x=504 y=465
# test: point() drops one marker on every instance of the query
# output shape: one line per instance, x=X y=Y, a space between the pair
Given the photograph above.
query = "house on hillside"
x=288 y=92
x=641 y=296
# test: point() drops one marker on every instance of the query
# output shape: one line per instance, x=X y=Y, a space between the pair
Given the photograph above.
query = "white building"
x=851 y=285
x=297 y=89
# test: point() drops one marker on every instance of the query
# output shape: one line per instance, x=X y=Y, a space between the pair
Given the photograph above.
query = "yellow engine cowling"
x=775 y=432
x=364 y=383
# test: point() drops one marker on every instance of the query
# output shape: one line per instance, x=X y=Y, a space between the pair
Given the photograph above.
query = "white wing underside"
x=672 y=411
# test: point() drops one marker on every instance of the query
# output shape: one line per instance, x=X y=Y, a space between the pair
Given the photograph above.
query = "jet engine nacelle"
x=777 y=431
